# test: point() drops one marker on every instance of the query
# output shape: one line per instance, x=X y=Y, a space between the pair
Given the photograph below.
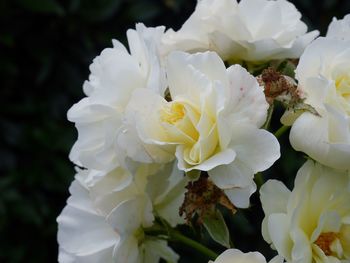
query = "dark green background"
x=46 y=47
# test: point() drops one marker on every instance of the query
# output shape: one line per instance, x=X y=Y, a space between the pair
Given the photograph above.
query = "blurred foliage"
x=46 y=47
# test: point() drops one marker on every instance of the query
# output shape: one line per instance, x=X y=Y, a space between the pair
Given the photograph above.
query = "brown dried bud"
x=201 y=198
x=277 y=85
x=282 y=88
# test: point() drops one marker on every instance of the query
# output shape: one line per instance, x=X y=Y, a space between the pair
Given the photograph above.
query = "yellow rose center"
x=192 y=127
x=180 y=121
x=325 y=240
x=172 y=113
x=342 y=84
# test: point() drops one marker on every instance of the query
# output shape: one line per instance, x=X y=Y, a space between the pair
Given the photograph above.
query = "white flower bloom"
x=339 y=28
x=311 y=223
x=164 y=186
x=251 y=30
x=115 y=74
x=194 y=34
x=129 y=218
x=212 y=123
x=83 y=234
x=324 y=80
x=237 y=256
x=111 y=218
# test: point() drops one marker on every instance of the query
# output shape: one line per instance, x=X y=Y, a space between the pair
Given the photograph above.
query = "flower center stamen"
x=173 y=112
x=342 y=84
x=325 y=240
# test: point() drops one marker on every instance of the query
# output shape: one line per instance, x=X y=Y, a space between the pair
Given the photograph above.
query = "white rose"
x=129 y=219
x=324 y=80
x=251 y=30
x=163 y=185
x=311 y=223
x=110 y=214
x=339 y=28
x=212 y=123
x=83 y=234
x=237 y=256
x=114 y=75
x=194 y=34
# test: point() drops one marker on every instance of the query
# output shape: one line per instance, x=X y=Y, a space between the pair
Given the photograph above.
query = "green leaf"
x=289 y=69
x=256 y=68
x=193 y=175
x=215 y=225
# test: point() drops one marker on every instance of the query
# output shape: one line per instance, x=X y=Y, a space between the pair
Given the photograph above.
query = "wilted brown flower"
x=202 y=198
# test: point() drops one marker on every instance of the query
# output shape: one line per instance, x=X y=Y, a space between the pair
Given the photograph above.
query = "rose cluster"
x=178 y=122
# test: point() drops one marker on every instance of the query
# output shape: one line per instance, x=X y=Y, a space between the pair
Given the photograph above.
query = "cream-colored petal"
x=224 y=157
x=310 y=134
x=179 y=72
x=239 y=196
x=302 y=251
x=278 y=227
x=138 y=209
x=247 y=99
x=257 y=148
x=237 y=256
x=157 y=249
x=81 y=230
x=235 y=174
x=127 y=251
x=274 y=197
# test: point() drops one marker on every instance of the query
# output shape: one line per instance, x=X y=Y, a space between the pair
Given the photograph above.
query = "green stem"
x=269 y=117
x=176 y=236
x=232 y=245
x=281 y=131
x=259 y=180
